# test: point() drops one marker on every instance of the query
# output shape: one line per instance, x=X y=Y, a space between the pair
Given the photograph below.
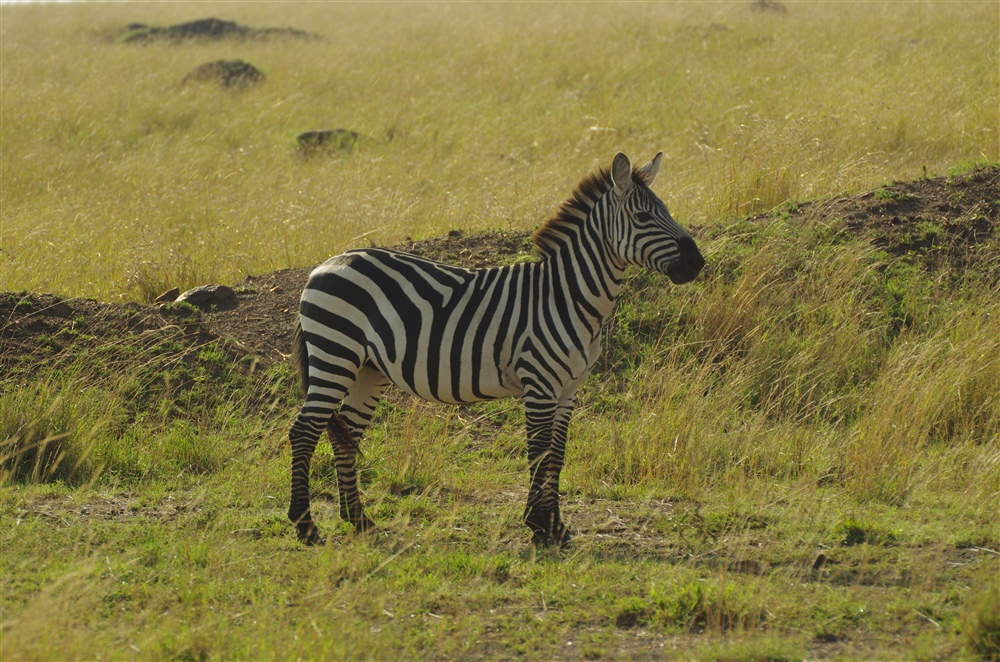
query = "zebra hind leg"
x=303 y=437
x=345 y=449
x=346 y=429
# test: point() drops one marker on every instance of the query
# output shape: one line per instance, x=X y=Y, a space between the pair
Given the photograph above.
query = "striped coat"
x=374 y=317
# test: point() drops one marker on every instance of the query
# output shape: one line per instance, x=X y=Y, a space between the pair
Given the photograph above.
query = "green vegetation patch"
x=854 y=532
x=692 y=607
x=980 y=621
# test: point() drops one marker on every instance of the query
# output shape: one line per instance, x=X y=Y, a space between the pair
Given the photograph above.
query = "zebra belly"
x=487 y=391
x=415 y=377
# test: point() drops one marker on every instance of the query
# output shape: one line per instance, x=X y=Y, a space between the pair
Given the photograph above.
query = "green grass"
x=750 y=484
x=794 y=456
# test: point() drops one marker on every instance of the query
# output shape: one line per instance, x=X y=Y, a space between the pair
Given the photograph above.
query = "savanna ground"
x=796 y=456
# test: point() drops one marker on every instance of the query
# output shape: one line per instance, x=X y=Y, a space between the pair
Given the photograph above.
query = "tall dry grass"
x=791 y=363
x=940 y=389
x=119 y=181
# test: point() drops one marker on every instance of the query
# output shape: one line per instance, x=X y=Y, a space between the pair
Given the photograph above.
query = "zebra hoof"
x=560 y=538
x=309 y=535
x=548 y=541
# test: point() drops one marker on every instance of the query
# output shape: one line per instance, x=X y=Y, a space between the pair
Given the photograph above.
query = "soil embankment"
x=939 y=221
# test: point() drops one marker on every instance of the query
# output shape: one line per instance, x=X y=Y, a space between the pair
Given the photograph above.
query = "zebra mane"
x=569 y=218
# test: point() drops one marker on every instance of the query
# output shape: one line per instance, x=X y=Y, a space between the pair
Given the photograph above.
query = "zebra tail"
x=300 y=357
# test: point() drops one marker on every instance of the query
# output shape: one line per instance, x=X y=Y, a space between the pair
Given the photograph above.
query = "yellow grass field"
x=118 y=180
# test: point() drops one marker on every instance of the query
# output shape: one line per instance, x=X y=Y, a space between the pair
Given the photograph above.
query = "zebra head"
x=642 y=230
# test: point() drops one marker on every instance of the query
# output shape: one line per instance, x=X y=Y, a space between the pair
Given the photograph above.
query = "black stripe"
x=497 y=279
x=354 y=295
x=462 y=328
x=406 y=310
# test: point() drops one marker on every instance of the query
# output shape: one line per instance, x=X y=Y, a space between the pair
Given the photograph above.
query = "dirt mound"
x=227 y=73
x=939 y=222
x=477 y=250
x=205 y=28
x=37 y=330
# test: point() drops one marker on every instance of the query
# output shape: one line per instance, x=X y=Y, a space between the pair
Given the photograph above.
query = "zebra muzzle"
x=688 y=264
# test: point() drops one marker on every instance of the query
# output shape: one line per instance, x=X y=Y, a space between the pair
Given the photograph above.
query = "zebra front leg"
x=553 y=467
x=537 y=516
x=303 y=437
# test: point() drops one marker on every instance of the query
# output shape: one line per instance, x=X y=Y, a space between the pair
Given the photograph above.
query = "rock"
x=207 y=295
x=312 y=142
x=208 y=27
x=212 y=28
x=227 y=73
x=169 y=295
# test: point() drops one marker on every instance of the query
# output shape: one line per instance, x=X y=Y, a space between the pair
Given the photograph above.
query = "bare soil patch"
x=940 y=221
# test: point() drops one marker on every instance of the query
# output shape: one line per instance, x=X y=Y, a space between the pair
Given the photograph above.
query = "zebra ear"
x=651 y=168
x=621 y=173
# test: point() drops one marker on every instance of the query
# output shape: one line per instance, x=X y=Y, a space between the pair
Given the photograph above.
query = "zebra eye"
x=643 y=217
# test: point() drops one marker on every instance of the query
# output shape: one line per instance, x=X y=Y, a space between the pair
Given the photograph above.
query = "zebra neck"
x=583 y=266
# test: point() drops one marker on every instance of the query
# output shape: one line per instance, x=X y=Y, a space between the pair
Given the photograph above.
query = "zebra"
x=373 y=317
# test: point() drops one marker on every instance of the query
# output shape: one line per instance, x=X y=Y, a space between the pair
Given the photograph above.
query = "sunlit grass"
x=472 y=116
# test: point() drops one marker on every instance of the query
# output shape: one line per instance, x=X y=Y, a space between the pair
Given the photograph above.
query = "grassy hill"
x=793 y=457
